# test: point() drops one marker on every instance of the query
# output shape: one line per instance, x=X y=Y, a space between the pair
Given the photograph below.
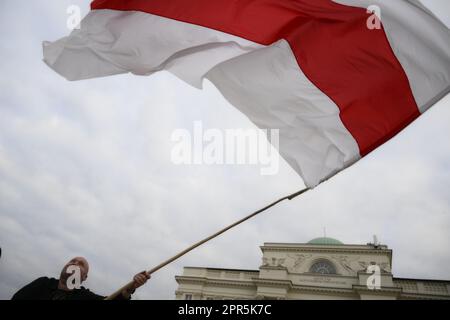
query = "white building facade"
x=323 y=268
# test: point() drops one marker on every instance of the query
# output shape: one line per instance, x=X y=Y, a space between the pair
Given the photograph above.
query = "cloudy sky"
x=85 y=169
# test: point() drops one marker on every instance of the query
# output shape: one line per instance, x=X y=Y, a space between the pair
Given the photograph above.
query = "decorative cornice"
x=381 y=291
x=219 y=282
x=421 y=296
x=290 y=286
x=273 y=283
x=346 y=291
x=289 y=244
x=328 y=250
x=325 y=276
x=447 y=282
x=282 y=268
x=247 y=271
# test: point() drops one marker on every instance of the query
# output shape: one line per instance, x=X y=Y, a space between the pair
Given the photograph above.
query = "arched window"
x=323 y=267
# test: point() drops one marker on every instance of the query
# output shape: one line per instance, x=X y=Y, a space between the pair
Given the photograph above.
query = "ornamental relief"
x=292 y=262
x=273 y=262
x=300 y=263
x=297 y=261
x=353 y=264
x=349 y=264
x=384 y=266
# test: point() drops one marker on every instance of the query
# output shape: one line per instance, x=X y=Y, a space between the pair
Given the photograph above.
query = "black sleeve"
x=89 y=295
x=121 y=297
x=31 y=291
x=86 y=294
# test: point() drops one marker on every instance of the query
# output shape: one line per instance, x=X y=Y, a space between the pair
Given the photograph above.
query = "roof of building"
x=325 y=241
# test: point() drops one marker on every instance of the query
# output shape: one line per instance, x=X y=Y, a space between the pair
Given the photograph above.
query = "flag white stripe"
x=276 y=94
x=265 y=83
x=111 y=42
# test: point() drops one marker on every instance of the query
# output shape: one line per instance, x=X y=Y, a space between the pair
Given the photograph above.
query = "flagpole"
x=182 y=253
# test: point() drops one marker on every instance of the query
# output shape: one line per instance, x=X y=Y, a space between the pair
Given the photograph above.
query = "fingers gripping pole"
x=182 y=253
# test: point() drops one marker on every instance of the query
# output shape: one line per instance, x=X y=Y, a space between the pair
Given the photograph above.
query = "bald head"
x=80 y=262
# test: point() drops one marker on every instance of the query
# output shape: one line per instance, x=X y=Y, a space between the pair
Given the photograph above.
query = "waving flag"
x=329 y=75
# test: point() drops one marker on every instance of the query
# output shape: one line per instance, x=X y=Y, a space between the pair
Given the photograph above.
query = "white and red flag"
x=335 y=81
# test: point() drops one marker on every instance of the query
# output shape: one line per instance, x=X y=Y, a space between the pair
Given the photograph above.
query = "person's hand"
x=140 y=279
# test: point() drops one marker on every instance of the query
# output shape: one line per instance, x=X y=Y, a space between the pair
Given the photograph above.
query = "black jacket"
x=47 y=289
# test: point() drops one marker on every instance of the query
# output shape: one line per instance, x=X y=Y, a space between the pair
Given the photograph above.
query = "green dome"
x=325 y=241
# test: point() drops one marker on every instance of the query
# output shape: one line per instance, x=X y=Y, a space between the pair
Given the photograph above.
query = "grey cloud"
x=85 y=170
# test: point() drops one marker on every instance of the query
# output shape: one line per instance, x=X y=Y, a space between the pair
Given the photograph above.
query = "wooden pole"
x=182 y=253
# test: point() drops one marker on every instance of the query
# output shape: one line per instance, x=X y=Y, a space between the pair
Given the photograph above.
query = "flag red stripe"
x=351 y=64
